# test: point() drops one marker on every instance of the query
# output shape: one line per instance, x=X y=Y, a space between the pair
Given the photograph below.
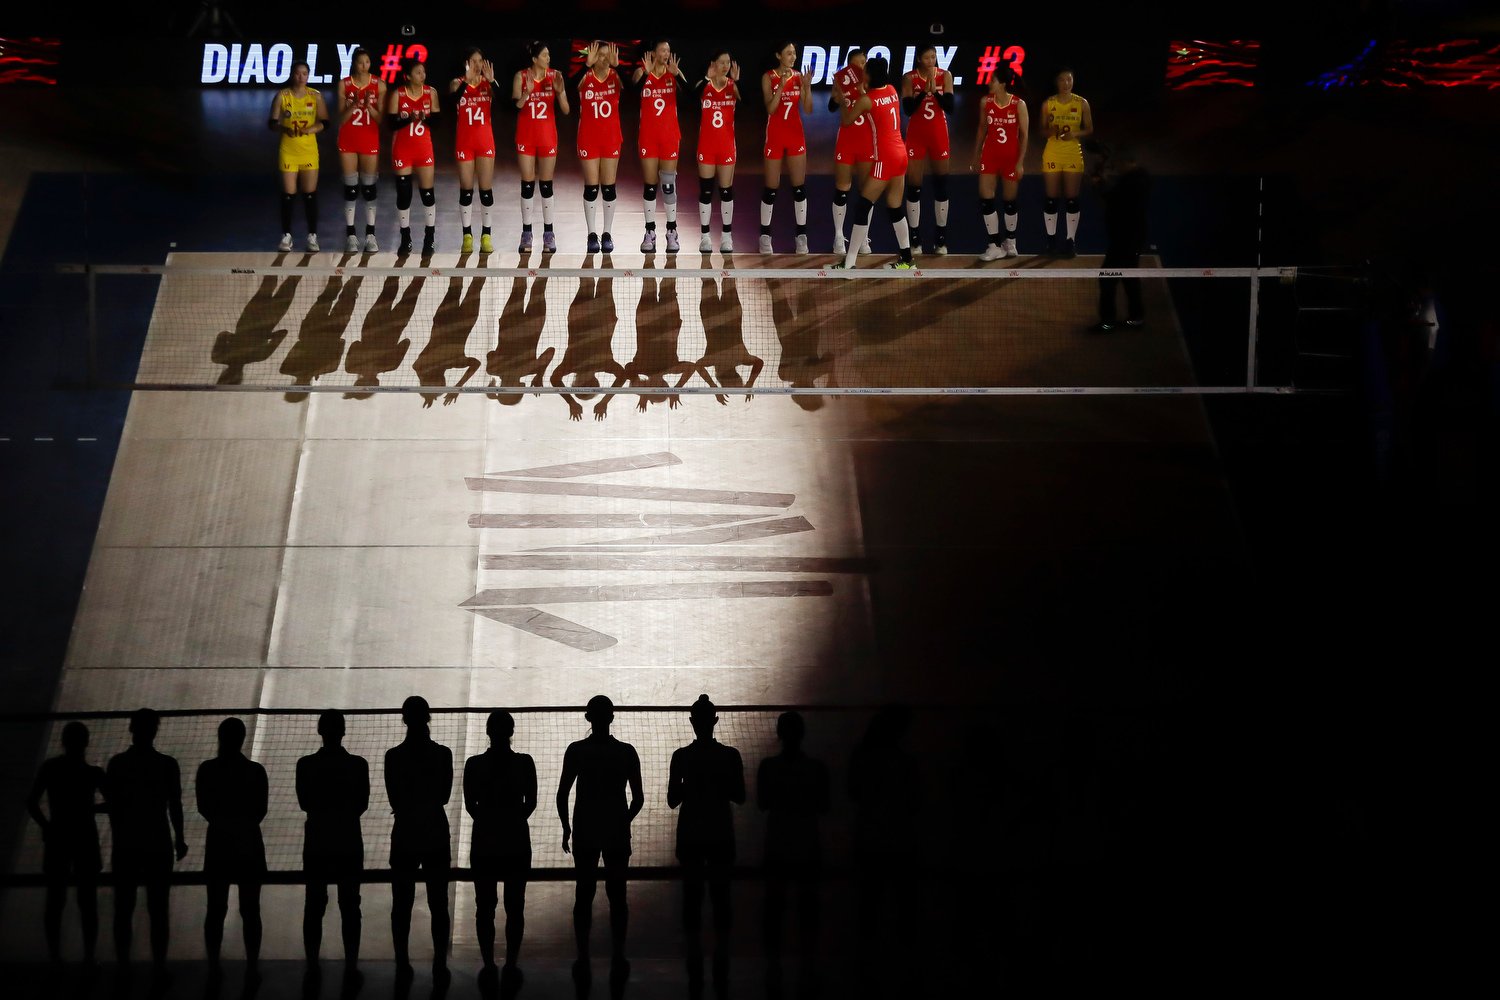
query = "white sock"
x=484 y=213
x=1073 y=224
x=903 y=234
x=591 y=214
x=1012 y=220
x=1050 y=218
x=649 y=210
x=940 y=213
x=839 y=211
x=914 y=215
x=857 y=239
x=726 y=213
x=465 y=215
x=705 y=214
x=609 y=215
x=992 y=223
x=799 y=211
x=527 y=206
x=430 y=213
x=547 y=209
x=370 y=214
x=403 y=216
x=669 y=179
x=765 y=213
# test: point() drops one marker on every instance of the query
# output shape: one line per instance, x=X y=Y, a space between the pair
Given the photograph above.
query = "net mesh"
x=953 y=327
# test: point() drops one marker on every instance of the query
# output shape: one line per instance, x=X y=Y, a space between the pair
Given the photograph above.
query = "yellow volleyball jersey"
x=299 y=110
x=1064 y=112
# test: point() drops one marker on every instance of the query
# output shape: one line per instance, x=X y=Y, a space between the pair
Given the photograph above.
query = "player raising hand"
x=661 y=136
x=716 y=154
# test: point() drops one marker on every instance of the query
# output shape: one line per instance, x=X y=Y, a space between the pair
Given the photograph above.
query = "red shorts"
x=536 y=138
x=409 y=152
x=927 y=142
x=716 y=148
x=785 y=139
x=660 y=143
x=855 y=144
x=474 y=143
x=998 y=158
x=362 y=140
x=597 y=144
x=890 y=162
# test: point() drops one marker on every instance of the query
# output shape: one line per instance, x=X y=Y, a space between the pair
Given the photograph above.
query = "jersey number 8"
x=718 y=118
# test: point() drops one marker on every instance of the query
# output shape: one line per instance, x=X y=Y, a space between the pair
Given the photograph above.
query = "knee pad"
x=403 y=191
x=545 y=187
x=895 y=214
x=1050 y=206
x=369 y=191
x=648 y=193
x=528 y=188
x=940 y=186
x=351 y=192
x=987 y=206
x=840 y=197
x=1012 y=207
x=609 y=192
x=913 y=192
x=669 y=186
x=799 y=193
x=465 y=196
x=351 y=180
x=768 y=196
x=486 y=197
x=308 y=197
x=591 y=192
x=1073 y=205
x=705 y=190
x=726 y=194
x=367 y=179
x=862 y=209
x=429 y=196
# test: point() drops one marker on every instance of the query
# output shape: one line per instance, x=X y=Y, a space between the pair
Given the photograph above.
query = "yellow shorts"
x=300 y=153
x=1062 y=156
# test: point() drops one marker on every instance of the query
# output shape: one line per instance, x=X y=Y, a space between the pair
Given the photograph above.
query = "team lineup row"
x=874 y=159
x=142 y=794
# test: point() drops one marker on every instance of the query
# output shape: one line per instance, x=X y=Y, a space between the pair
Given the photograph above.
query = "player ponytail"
x=877 y=73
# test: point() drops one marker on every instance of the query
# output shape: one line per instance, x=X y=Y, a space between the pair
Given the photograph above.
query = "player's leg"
x=692 y=921
x=429 y=208
x=796 y=169
x=527 y=164
x=314 y=905
x=609 y=169
x=124 y=918
x=349 y=170
x=159 y=909
x=894 y=193
x=369 y=170
x=916 y=172
x=288 y=200
x=88 y=911
x=350 y=921
x=615 y=862
x=307 y=184
x=466 y=202
x=484 y=177
x=843 y=180
x=768 y=193
x=249 y=893
x=586 y=861
x=403 y=208
x=515 y=915
x=546 y=166
x=726 y=207
x=1052 y=185
x=870 y=188
x=669 y=201
x=52 y=911
x=1072 y=185
x=1010 y=191
x=486 y=898
x=213 y=919
x=435 y=868
x=940 y=171
x=650 y=177
x=705 y=205
x=993 y=249
x=403 y=896
x=862 y=172
x=590 y=170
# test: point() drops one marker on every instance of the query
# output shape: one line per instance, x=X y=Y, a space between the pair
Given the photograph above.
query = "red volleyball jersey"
x=788 y=111
x=366 y=102
x=541 y=97
x=476 y=112
x=847 y=83
x=718 y=110
x=658 y=102
x=413 y=110
x=1002 y=124
x=599 y=104
x=929 y=113
x=885 y=114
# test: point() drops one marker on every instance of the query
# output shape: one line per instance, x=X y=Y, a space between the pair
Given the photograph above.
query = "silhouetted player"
x=333 y=788
x=70 y=837
x=233 y=795
x=793 y=790
x=602 y=766
x=419 y=781
x=500 y=795
x=144 y=791
x=705 y=777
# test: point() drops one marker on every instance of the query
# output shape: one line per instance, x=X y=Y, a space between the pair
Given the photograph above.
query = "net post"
x=1254 y=324
x=91 y=354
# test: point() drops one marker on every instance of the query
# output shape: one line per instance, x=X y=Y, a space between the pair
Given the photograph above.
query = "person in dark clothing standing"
x=419 y=782
x=333 y=788
x=233 y=795
x=705 y=778
x=603 y=767
x=793 y=790
x=144 y=790
x=70 y=837
x=500 y=796
x=1124 y=187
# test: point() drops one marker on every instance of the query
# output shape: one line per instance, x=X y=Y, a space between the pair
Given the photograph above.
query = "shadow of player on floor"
x=448 y=347
x=319 y=348
x=590 y=352
x=724 y=333
x=381 y=347
x=515 y=356
x=255 y=337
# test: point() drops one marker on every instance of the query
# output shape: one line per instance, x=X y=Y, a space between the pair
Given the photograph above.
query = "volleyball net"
x=949 y=751
x=778 y=326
